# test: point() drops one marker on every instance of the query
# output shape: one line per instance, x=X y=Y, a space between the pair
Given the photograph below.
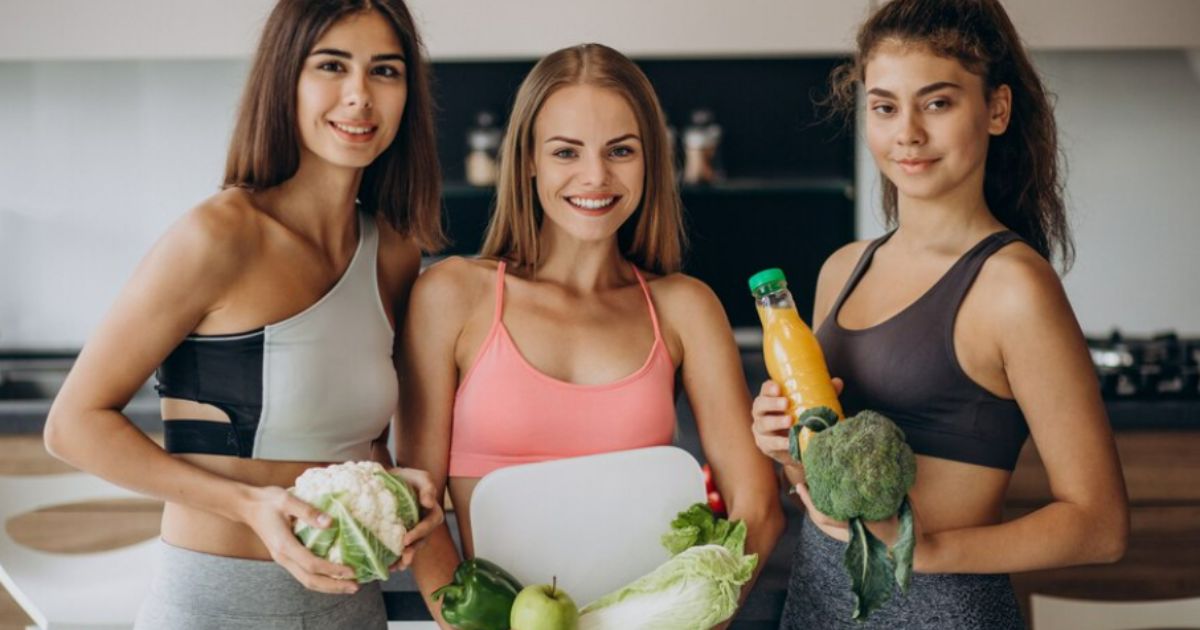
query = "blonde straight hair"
x=653 y=237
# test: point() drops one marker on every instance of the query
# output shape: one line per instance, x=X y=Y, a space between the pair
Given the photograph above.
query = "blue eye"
x=564 y=153
x=622 y=152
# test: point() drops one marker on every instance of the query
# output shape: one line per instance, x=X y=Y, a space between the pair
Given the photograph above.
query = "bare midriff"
x=201 y=530
x=952 y=495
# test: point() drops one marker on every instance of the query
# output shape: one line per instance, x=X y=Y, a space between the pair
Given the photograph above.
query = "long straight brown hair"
x=1022 y=183
x=653 y=237
x=404 y=183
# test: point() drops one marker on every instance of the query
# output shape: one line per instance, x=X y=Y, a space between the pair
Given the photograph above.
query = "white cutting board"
x=595 y=522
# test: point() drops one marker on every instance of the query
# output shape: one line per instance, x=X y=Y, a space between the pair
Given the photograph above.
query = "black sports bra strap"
x=856 y=275
x=962 y=276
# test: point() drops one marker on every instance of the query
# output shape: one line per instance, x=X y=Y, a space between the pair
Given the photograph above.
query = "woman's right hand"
x=270 y=512
x=771 y=421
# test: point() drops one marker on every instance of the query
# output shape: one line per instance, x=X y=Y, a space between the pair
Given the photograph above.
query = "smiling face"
x=929 y=120
x=352 y=90
x=588 y=162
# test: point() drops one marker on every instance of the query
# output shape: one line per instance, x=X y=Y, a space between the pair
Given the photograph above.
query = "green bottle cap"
x=765 y=277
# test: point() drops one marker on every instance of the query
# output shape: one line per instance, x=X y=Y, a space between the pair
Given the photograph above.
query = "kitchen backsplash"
x=98 y=158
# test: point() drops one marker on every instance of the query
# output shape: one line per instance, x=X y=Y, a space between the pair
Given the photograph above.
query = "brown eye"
x=388 y=71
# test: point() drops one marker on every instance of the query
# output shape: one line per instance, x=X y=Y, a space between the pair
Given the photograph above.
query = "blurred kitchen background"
x=115 y=117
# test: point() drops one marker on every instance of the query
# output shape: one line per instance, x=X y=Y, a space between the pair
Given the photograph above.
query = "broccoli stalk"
x=860 y=470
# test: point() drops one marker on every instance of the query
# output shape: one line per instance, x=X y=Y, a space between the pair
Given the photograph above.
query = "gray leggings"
x=819 y=595
x=200 y=591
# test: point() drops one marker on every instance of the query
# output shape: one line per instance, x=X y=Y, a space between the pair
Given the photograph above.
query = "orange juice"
x=790 y=349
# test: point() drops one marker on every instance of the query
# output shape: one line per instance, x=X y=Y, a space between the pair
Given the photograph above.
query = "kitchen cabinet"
x=468 y=29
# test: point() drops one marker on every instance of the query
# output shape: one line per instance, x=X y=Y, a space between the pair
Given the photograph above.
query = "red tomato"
x=708 y=478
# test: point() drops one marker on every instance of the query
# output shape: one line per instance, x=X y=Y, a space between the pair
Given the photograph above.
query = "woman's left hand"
x=885 y=530
x=431 y=505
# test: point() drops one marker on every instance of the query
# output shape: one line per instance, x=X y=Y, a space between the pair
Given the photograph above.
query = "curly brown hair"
x=1022 y=183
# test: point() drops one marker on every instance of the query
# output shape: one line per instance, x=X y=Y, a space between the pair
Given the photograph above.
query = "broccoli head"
x=859 y=468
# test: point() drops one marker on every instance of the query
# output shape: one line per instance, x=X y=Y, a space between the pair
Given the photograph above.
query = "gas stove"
x=1163 y=366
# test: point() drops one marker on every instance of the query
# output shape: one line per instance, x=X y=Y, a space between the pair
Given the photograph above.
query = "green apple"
x=543 y=607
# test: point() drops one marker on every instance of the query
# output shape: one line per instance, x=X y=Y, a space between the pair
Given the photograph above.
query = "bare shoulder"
x=215 y=238
x=1018 y=285
x=687 y=305
x=679 y=291
x=455 y=282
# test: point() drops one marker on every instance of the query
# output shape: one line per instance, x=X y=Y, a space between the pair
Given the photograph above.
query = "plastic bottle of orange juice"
x=793 y=357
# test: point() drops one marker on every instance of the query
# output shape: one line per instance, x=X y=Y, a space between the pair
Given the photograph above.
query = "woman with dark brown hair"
x=268 y=311
x=565 y=336
x=956 y=327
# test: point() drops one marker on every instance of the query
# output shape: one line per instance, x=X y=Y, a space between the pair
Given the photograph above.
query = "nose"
x=911 y=132
x=594 y=170
x=356 y=92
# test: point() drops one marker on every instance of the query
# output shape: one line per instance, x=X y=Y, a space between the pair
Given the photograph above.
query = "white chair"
x=595 y=522
x=1057 y=613
x=77 y=591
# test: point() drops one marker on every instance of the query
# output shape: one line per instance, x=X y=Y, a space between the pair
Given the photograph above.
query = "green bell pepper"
x=480 y=597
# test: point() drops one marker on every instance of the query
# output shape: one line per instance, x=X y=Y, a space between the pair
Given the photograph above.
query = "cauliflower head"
x=859 y=468
x=369 y=508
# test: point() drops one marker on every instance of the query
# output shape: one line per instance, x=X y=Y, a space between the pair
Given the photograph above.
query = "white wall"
x=97 y=158
x=1129 y=124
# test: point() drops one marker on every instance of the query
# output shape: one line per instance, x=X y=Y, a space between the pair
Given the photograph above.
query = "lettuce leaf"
x=697 y=526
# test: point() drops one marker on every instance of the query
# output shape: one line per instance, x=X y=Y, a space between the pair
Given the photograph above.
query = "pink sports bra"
x=507 y=412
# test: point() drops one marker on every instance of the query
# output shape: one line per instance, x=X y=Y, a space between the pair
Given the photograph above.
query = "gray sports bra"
x=317 y=386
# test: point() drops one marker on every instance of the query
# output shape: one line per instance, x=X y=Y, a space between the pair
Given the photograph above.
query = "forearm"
x=1057 y=535
x=106 y=444
x=764 y=525
x=433 y=567
x=790 y=477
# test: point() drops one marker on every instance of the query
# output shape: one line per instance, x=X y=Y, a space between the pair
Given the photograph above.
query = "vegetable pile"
x=857 y=470
x=371 y=511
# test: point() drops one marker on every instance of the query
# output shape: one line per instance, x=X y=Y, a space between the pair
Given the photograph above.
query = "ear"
x=999 y=110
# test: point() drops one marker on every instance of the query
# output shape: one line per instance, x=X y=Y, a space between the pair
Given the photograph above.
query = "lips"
x=354 y=131
x=913 y=166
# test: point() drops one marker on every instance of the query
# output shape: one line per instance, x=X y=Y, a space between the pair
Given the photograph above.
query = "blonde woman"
x=565 y=336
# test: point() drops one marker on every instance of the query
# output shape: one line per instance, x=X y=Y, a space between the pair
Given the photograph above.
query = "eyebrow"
x=345 y=55
x=932 y=87
x=579 y=143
